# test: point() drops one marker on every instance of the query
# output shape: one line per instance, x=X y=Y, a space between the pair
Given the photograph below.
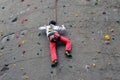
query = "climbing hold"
x=3 y=7
x=98 y=0
x=23 y=42
x=96 y=3
x=38 y=43
x=21 y=68
x=107 y=37
x=35 y=7
x=87 y=67
x=64 y=6
x=14 y=58
x=111 y=30
x=28 y=5
x=103 y=12
x=98 y=52
x=40 y=49
x=81 y=79
x=109 y=63
x=6 y=65
x=94 y=65
x=37 y=53
x=113 y=34
x=3 y=21
x=24 y=52
x=76 y=14
x=107 y=42
x=19 y=45
x=2 y=48
x=22 y=0
x=118 y=21
x=26 y=77
x=70 y=66
x=23 y=21
x=8 y=38
x=87 y=0
x=14 y=65
x=113 y=38
x=1 y=54
x=101 y=68
x=17 y=36
x=14 y=20
x=70 y=25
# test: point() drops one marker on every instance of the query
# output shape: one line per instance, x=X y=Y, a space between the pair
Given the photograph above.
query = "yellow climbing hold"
x=111 y=30
x=14 y=65
x=94 y=65
x=21 y=69
x=1 y=54
x=76 y=14
x=107 y=37
x=109 y=63
x=26 y=77
x=81 y=79
x=23 y=42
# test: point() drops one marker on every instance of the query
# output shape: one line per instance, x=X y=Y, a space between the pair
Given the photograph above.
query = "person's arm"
x=60 y=28
x=42 y=28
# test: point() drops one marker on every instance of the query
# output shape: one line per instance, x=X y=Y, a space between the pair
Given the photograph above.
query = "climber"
x=53 y=34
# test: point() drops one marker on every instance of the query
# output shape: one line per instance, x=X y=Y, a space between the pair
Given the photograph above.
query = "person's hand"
x=63 y=25
x=44 y=24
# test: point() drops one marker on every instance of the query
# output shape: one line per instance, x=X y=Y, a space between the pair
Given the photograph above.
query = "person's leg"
x=53 y=53
x=67 y=42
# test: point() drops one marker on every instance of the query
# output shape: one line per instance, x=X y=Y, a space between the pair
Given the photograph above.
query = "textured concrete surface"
x=24 y=50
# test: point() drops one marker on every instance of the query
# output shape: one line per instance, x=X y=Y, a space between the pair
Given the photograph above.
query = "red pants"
x=64 y=40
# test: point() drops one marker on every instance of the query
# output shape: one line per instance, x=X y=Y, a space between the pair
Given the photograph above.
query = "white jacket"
x=52 y=29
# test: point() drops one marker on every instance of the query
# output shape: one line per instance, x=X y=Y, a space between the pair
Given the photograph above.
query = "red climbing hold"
x=23 y=21
x=22 y=0
x=19 y=45
x=24 y=52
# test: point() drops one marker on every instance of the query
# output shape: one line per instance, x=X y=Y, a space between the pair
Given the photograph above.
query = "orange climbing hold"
x=107 y=37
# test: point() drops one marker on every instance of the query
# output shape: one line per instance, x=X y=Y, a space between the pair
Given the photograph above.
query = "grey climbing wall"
x=24 y=50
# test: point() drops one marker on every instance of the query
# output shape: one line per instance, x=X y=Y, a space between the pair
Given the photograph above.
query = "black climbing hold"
x=51 y=72
x=38 y=43
x=14 y=58
x=14 y=20
x=41 y=1
x=92 y=32
x=113 y=38
x=65 y=13
x=96 y=3
x=64 y=6
x=40 y=49
x=2 y=48
x=37 y=53
x=7 y=39
x=118 y=21
x=5 y=68
x=70 y=25
x=3 y=7
x=6 y=65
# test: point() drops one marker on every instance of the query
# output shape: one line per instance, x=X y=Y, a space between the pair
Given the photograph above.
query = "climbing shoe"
x=68 y=54
x=54 y=63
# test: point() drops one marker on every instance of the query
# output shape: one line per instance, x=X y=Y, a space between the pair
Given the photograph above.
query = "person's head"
x=52 y=22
